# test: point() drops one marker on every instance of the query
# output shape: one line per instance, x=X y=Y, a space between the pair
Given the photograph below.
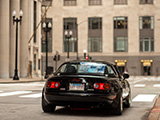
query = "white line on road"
x=14 y=93
x=144 y=98
x=23 y=84
x=156 y=85
x=32 y=96
x=139 y=85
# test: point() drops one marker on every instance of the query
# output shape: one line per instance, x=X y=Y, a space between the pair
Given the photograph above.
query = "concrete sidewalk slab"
x=155 y=112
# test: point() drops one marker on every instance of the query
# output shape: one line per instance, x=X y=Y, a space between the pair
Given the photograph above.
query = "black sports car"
x=87 y=83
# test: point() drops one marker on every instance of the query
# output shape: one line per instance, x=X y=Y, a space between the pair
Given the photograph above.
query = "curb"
x=155 y=112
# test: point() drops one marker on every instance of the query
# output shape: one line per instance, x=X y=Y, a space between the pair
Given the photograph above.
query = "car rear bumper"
x=63 y=99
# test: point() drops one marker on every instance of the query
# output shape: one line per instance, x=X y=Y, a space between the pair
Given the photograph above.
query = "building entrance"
x=146 y=70
x=121 y=69
x=121 y=65
x=146 y=67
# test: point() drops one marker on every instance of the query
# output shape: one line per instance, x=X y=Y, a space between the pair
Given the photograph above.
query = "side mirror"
x=125 y=75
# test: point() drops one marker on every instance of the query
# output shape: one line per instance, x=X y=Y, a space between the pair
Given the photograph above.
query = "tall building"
x=126 y=32
x=29 y=48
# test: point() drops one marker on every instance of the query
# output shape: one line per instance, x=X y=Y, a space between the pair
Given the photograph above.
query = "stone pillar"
x=24 y=37
x=15 y=5
x=4 y=38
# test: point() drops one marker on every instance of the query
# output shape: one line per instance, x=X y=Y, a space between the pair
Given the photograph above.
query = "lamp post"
x=47 y=27
x=85 y=52
x=16 y=54
x=68 y=35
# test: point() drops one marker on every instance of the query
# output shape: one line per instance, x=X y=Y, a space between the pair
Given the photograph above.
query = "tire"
x=48 y=108
x=127 y=103
x=119 y=109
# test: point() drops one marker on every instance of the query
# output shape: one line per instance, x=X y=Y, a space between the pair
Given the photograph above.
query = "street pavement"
x=21 y=100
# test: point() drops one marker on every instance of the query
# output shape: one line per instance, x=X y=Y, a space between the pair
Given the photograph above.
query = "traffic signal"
x=87 y=57
x=59 y=57
x=55 y=58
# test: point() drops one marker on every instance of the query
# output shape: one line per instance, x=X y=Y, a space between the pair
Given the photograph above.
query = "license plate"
x=75 y=86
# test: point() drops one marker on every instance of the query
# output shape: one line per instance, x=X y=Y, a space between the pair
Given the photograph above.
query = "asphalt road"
x=22 y=101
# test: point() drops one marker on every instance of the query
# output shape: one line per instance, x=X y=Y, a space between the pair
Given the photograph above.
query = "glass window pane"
x=70 y=24
x=147 y=23
x=120 y=22
x=152 y=23
x=152 y=45
x=141 y=46
x=140 y=23
x=95 y=44
x=146 y=46
x=120 y=45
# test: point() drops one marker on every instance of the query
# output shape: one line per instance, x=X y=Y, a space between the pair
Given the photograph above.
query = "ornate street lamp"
x=47 y=27
x=16 y=54
x=68 y=35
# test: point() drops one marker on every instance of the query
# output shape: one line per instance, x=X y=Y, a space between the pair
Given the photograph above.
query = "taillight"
x=102 y=86
x=51 y=84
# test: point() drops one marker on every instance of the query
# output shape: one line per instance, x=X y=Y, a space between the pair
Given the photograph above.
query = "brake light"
x=102 y=86
x=53 y=84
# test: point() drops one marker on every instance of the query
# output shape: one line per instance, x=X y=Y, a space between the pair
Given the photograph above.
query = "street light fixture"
x=16 y=54
x=68 y=35
x=47 y=27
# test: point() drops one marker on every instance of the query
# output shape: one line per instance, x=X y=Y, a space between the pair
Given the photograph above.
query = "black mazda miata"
x=87 y=84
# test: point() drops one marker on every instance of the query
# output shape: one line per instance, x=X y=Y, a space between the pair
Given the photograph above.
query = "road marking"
x=14 y=93
x=32 y=96
x=144 y=98
x=139 y=85
x=24 y=84
x=156 y=85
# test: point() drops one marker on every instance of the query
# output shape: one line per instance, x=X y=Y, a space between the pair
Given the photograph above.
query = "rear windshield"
x=82 y=68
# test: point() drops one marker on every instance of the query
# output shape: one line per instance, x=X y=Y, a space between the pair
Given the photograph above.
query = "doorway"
x=146 y=67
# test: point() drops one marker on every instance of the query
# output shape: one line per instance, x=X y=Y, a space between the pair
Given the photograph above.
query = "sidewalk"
x=21 y=80
x=155 y=112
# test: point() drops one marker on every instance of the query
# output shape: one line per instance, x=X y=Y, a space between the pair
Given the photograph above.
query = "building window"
x=120 y=34
x=35 y=20
x=46 y=2
x=95 y=2
x=95 y=34
x=121 y=44
x=147 y=22
x=34 y=62
x=120 y=2
x=49 y=38
x=120 y=23
x=70 y=2
x=95 y=23
x=95 y=44
x=146 y=44
x=146 y=1
x=70 y=24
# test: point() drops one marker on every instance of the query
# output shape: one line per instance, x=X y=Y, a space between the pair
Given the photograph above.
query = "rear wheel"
x=47 y=107
x=119 y=109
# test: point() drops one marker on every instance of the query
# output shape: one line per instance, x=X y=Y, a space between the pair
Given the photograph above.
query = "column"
x=4 y=38
x=15 y=5
x=24 y=37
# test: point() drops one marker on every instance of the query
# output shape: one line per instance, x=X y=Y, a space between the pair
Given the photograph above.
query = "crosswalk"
x=144 y=85
x=33 y=95
x=21 y=94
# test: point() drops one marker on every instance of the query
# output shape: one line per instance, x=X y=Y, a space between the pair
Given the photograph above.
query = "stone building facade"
x=29 y=53
x=126 y=32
